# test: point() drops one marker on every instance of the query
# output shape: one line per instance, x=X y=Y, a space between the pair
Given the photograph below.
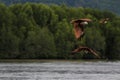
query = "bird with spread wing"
x=79 y=26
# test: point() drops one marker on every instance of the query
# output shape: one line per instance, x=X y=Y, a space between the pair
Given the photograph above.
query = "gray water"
x=60 y=71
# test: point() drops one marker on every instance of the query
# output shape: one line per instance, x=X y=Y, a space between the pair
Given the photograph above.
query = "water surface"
x=60 y=70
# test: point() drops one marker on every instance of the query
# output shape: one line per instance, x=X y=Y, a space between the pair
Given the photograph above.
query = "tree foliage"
x=111 y=5
x=40 y=31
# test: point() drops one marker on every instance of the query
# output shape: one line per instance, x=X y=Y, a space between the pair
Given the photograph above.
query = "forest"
x=111 y=5
x=40 y=31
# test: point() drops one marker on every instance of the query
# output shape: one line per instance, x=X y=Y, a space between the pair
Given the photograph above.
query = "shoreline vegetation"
x=51 y=60
x=39 y=31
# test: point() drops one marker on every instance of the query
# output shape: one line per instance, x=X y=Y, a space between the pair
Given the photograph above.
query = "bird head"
x=84 y=23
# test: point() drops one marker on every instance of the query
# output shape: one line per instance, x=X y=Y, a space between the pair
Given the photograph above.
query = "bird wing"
x=79 y=49
x=81 y=20
x=86 y=20
x=78 y=26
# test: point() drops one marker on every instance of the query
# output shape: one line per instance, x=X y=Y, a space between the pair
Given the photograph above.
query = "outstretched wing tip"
x=80 y=20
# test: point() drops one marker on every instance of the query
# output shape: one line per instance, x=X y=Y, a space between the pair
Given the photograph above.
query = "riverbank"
x=47 y=60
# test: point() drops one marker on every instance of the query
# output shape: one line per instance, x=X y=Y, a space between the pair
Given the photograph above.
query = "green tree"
x=95 y=40
x=112 y=40
x=64 y=39
x=40 y=44
x=43 y=15
x=9 y=44
x=8 y=41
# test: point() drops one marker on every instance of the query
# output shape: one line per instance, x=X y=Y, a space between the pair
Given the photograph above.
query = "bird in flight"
x=79 y=49
x=78 y=27
x=104 y=21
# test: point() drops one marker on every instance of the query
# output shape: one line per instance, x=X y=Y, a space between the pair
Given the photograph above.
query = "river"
x=60 y=70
